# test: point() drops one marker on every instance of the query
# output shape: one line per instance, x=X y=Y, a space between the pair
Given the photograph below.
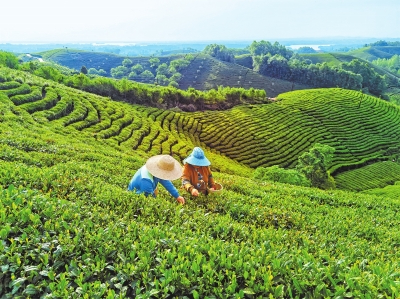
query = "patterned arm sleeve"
x=187 y=185
x=211 y=182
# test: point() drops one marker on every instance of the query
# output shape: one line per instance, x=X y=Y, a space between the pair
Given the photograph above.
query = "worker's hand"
x=195 y=192
x=181 y=200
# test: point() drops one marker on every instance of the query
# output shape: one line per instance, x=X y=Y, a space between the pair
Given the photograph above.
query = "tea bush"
x=70 y=229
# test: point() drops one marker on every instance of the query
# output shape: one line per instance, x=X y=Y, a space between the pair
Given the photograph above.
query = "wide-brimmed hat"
x=164 y=167
x=197 y=158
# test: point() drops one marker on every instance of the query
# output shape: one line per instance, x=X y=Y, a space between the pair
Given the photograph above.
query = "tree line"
x=166 y=74
x=275 y=60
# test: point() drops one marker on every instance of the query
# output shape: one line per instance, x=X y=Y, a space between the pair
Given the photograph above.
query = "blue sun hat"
x=197 y=158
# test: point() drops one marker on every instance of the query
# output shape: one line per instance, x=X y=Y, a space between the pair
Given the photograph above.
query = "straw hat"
x=164 y=167
x=197 y=158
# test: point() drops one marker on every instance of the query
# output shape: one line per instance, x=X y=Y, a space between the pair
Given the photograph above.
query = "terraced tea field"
x=203 y=73
x=377 y=175
x=360 y=128
x=70 y=229
x=206 y=72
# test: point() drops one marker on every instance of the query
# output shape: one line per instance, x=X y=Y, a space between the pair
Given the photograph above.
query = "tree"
x=179 y=64
x=372 y=80
x=174 y=84
x=306 y=50
x=119 y=72
x=154 y=62
x=137 y=68
x=132 y=75
x=147 y=75
x=162 y=79
x=48 y=72
x=127 y=62
x=265 y=47
x=281 y=175
x=9 y=60
x=102 y=72
x=162 y=69
x=92 y=71
x=220 y=52
x=314 y=165
x=84 y=70
x=176 y=77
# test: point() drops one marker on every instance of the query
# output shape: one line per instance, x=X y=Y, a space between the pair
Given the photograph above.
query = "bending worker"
x=197 y=176
x=158 y=169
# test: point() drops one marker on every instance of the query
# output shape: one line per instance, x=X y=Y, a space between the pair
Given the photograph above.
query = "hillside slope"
x=361 y=128
x=75 y=59
x=203 y=73
x=206 y=72
x=69 y=228
x=374 y=52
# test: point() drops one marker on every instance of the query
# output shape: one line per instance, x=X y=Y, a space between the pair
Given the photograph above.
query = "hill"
x=68 y=227
x=75 y=59
x=374 y=52
x=203 y=73
x=361 y=128
x=206 y=72
x=332 y=59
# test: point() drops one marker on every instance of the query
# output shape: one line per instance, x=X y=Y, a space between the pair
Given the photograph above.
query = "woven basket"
x=217 y=189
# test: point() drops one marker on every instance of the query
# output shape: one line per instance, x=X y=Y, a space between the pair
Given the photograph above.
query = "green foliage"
x=84 y=70
x=147 y=75
x=373 y=176
x=69 y=228
x=127 y=62
x=390 y=191
x=100 y=72
x=119 y=72
x=173 y=83
x=48 y=72
x=384 y=43
x=9 y=60
x=281 y=175
x=303 y=50
x=179 y=64
x=220 y=52
x=154 y=62
x=275 y=61
x=315 y=163
x=391 y=64
x=318 y=75
x=137 y=68
x=139 y=93
x=265 y=47
x=162 y=69
x=371 y=80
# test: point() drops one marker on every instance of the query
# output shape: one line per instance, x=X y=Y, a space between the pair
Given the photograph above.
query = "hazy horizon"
x=180 y=21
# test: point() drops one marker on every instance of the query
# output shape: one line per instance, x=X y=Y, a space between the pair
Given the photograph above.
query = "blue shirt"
x=144 y=182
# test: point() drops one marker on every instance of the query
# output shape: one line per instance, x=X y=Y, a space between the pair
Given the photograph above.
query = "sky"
x=195 y=20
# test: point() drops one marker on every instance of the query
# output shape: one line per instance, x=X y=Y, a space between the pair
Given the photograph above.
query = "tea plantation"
x=70 y=229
